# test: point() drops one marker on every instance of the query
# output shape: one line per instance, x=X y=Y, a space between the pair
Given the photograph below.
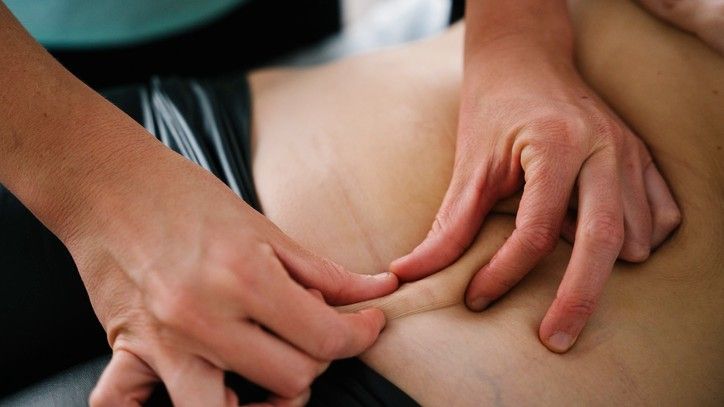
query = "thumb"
x=458 y=220
x=338 y=285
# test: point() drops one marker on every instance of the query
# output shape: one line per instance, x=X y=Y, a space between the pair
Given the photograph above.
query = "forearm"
x=511 y=46
x=492 y=24
x=58 y=138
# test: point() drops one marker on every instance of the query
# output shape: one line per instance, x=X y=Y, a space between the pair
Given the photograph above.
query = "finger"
x=665 y=214
x=598 y=242
x=313 y=326
x=126 y=381
x=466 y=203
x=264 y=359
x=542 y=208
x=192 y=381
x=232 y=400
x=338 y=285
x=637 y=213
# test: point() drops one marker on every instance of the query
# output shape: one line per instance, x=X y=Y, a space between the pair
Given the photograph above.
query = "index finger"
x=599 y=238
x=549 y=181
x=300 y=318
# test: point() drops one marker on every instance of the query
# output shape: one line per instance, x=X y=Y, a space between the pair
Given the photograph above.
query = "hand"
x=189 y=281
x=527 y=116
x=705 y=18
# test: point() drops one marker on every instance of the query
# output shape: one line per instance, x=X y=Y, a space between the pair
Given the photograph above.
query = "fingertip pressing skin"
x=558 y=332
x=560 y=342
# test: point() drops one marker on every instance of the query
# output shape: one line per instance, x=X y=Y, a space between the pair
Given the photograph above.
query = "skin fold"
x=358 y=168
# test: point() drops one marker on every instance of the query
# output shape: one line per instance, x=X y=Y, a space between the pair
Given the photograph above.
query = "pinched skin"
x=352 y=160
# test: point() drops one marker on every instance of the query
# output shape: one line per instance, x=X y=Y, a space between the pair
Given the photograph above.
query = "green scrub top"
x=84 y=24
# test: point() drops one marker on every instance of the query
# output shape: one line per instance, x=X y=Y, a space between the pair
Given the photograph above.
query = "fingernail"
x=478 y=304
x=382 y=276
x=560 y=342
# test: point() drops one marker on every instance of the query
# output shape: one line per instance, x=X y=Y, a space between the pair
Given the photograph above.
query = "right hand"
x=189 y=282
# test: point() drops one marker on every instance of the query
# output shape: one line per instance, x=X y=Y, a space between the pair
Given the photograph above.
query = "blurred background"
x=111 y=42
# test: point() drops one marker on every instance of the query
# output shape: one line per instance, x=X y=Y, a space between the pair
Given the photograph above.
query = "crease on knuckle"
x=442 y=223
x=605 y=230
x=539 y=239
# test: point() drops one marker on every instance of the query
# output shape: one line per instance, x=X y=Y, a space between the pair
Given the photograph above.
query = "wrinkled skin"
x=212 y=286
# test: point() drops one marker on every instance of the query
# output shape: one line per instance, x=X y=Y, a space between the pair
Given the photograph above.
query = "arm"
x=181 y=273
x=56 y=133
x=527 y=118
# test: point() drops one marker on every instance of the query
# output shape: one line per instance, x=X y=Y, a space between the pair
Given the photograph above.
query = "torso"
x=352 y=160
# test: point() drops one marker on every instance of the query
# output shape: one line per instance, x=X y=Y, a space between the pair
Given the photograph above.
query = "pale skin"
x=93 y=206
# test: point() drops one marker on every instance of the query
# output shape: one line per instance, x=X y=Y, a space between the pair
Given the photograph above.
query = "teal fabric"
x=83 y=24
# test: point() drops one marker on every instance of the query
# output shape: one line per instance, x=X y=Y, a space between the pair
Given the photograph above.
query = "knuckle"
x=265 y=250
x=610 y=130
x=332 y=345
x=635 y=251
x=564 y=132
x=577 y=305
x=539 y=239
x=248 y=279
x=605 y=230
x=172 y=308
x=670 y=218
x=335 y=277
x=608 y=127
x=248 y=270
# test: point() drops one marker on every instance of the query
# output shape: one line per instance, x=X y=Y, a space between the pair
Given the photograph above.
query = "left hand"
x=526 y=115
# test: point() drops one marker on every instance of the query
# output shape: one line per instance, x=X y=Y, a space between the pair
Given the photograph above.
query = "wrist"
x=498 y=28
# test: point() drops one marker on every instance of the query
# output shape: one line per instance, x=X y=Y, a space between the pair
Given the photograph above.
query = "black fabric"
x=67 y=389
x=47 y=322
x=252 y=34
x=347 y=383
x=457 y=10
